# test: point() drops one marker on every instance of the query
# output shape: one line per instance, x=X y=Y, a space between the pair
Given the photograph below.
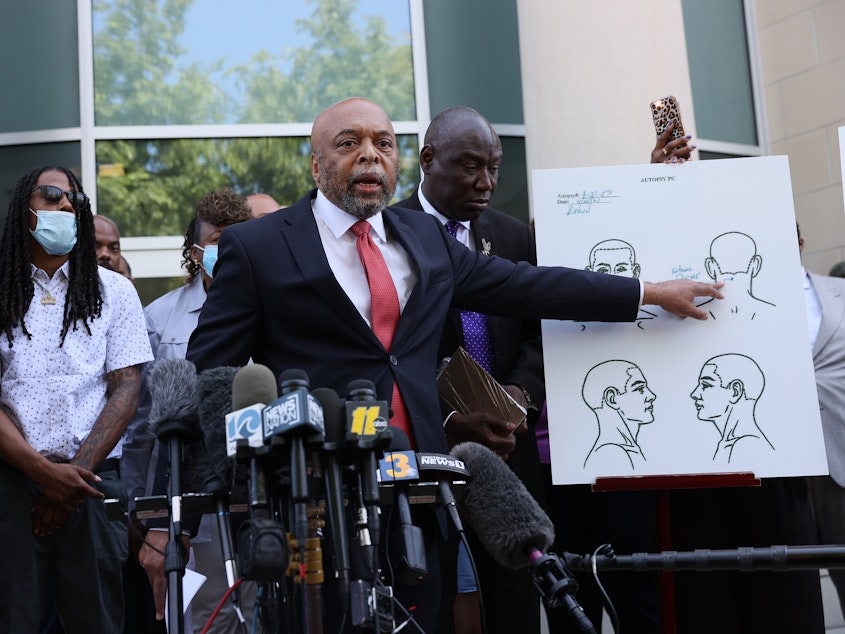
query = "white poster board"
x=665 y=395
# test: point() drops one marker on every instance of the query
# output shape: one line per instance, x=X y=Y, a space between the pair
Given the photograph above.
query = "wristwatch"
x=529 y=400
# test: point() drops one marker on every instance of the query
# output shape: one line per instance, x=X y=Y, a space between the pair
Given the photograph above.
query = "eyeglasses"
x=53 y=195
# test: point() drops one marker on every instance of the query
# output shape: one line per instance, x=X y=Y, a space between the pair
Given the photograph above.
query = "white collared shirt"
x=58 y=391
x=813 y=307
x=464 y=232
x=338 y=241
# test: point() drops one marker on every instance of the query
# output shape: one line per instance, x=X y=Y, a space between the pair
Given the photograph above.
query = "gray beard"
x=361 y=209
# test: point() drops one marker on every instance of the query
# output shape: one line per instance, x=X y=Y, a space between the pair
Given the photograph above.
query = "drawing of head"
x=615 y=257
x=619 y=386
x=726 y=382
x=732 y=254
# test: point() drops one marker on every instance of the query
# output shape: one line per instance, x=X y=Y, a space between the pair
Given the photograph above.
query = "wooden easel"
x=661 y=485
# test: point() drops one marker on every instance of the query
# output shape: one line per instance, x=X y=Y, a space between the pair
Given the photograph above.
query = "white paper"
x=732 y=219
x=191 y=583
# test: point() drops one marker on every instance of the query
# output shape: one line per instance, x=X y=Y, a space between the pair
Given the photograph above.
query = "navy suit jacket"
x=517 y=343
x=275 y=299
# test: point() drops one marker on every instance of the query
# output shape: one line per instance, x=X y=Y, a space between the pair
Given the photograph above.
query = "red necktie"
x=384 y=310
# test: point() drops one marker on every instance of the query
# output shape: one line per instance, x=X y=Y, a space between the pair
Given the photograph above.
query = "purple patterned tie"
x=476 y=329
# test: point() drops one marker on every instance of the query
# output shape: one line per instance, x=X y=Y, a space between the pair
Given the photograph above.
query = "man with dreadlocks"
x=72 y=342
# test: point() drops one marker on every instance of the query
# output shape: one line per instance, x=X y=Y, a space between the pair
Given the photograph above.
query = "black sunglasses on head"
x=53 y=195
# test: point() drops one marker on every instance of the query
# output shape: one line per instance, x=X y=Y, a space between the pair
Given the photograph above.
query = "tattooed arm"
x=124 y=389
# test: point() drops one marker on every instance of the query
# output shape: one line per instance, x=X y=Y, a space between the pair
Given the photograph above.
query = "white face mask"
x=55 y=231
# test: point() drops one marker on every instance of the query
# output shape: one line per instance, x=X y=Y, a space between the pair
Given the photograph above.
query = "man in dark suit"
x=291 y=292
x=460 y=161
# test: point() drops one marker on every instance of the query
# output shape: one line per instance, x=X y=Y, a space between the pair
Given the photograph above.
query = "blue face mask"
x=55 y=231
x=209 y=258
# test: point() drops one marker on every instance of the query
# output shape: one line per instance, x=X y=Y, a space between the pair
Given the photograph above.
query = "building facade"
x=155 y=103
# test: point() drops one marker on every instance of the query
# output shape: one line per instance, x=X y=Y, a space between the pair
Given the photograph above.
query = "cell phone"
x=665 y=111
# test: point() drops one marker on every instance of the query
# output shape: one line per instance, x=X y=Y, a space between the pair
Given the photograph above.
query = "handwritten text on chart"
x=682 y=272
x=582 y=203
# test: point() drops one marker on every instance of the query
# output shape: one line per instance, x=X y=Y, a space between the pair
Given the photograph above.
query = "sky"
x=216 y=29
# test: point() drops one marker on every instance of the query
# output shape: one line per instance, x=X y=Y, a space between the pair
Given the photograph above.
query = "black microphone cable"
x=605 y=550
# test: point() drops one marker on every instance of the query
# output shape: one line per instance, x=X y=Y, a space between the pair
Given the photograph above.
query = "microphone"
x=408 y=541
x=213 y=466
x=333 y=417
x=262 y=545
x=446 y=469
x=367 y=426
x=293 y=416
x=173 y=417
x=253 y=387
x=514 y=529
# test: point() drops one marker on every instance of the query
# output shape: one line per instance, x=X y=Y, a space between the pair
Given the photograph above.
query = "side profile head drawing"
x=615 y=257
x=725 y=382
x=732 y=254
x=619 y=386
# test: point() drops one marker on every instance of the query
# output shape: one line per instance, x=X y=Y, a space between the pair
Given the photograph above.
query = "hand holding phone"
x=666 y=112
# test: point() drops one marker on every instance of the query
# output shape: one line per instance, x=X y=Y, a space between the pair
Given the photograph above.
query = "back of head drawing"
x=732 y=253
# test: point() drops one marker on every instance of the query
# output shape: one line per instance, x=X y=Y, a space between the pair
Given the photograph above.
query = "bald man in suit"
x=291 y=292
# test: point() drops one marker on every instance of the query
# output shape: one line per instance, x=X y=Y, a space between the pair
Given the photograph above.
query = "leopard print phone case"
x=665 y=110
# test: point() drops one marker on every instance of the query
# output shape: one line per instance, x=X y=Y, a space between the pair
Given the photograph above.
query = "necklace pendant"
x=47 y=299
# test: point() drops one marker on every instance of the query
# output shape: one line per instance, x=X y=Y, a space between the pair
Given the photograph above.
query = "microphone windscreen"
x=333 y=411
x=299 y=378
x=214 y=389
x=399 y=441
x=498 y=507
x=253 y=383
x=360 y=387
x=173 y=391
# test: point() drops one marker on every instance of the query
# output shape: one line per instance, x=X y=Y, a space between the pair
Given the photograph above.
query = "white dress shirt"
x=338 y=241
x=813 y=307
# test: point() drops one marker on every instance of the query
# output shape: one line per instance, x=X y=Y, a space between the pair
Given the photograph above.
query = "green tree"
x=139 y=81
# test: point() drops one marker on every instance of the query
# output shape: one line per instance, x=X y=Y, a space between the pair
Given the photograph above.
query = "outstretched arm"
x=678 y=296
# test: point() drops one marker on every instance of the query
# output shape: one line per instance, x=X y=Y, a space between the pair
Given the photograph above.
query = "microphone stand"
x=775 y=558
x=171 y=433
x=557 y=587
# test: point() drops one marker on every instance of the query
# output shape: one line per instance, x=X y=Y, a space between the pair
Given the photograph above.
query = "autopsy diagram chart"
x=662 y=395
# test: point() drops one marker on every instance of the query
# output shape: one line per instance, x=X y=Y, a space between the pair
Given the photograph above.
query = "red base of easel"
x=661 y=485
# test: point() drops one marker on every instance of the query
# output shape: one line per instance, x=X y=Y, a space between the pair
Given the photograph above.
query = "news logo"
x=367 y=419
x=398 y=465
x=244 y=425
x=295 y=409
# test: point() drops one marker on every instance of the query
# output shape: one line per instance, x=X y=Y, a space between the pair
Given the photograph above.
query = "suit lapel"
x=411 y=243
x=299 y=230
x=833 y=309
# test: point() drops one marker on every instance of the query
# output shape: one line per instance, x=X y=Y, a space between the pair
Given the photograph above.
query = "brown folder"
x=466 y=387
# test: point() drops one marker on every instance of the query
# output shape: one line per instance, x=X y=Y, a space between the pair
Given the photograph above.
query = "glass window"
x=40 y=69
x=16 y=160
x=189 y=62
x=720 y=71
x=150 y=187
x=512 y=190
x=472 y=48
